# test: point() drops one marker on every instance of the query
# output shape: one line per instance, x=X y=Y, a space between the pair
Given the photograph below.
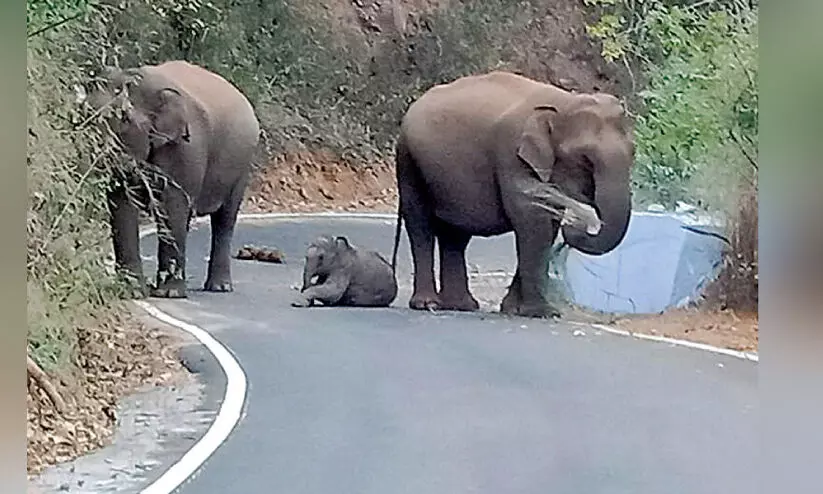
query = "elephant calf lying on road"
x=346 y=276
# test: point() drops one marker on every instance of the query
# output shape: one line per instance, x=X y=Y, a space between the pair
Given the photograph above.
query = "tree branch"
x=41 y=379
x=743 y=149
x=54 y=25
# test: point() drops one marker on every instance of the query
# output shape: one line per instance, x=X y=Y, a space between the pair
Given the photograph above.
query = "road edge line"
x=750 y=356
x=321 y=214
x=231 y=408
x=228 y=416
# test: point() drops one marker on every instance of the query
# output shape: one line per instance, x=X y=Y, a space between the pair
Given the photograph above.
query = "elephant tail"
x=396 y=239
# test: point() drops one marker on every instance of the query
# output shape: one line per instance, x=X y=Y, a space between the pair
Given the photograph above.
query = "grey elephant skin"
x=472 y=158
x=200 y=133
x=346 y=275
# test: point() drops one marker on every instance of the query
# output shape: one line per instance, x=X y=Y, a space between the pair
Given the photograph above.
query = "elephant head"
x=583 y=144
x=323 y=256
x=149 y=111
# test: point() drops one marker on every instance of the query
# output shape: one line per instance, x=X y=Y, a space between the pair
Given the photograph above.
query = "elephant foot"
x=135 y=291
x=462 y=303
x=509 y=304
x=542 y=310
x=138 y=293
x=424 y=302
x=301 y=302
x=171 y=289
x=171 y=283
x=133 y=286
x=219 y=286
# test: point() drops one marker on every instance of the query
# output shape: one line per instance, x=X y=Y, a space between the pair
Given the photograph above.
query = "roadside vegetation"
x=333 y=77
x=696 y=105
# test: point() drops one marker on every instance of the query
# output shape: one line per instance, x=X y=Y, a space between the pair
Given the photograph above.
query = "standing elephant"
x=475 y=156
x=200 y=132
x=346 y=275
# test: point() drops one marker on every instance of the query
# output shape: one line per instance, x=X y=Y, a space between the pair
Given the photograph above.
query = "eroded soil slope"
x=549 y=41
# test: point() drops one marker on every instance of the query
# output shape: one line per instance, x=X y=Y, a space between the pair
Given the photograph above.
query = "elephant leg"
x=527 y=294
x=126 y=240
x=173 y=229
x=223 y=222
x=330 y=293
x=513 y=297
x=454 y=283
x=417 y=215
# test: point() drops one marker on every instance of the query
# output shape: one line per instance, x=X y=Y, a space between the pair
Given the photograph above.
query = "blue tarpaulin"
x=658 y=265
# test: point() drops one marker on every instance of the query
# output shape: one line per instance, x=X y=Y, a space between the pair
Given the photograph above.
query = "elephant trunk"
x=309 y=271
x=612 y=200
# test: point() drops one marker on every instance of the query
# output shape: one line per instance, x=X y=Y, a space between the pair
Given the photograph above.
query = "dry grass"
x=737 y=287
x=720 y=328
x=113 y=356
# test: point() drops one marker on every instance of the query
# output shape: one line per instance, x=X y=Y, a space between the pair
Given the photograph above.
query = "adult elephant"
x=200 y=133
x=472 y=159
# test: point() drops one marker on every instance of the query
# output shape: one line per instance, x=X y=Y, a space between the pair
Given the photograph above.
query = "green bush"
x=697 y=116
x=67 y=236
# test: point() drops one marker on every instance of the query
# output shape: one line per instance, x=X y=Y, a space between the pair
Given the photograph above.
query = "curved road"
x=390 y=401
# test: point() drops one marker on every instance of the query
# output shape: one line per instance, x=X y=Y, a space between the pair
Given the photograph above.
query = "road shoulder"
x=157 y=420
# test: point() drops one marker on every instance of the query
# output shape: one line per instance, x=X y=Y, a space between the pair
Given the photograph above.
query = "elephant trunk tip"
x=612 y=231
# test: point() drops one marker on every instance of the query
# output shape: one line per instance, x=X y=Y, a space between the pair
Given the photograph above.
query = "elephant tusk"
x=580 y=216
x=569 y=211
x=583 y=217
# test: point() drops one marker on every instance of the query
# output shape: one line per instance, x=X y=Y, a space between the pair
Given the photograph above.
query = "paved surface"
x=392 y=401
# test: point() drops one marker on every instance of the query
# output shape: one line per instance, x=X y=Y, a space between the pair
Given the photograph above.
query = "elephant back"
x=220 y=100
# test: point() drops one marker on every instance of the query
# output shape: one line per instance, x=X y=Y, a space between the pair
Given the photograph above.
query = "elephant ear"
x=536 y=148
x=170 y=123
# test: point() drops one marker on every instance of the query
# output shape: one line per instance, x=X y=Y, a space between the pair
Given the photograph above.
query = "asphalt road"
x=390 y=401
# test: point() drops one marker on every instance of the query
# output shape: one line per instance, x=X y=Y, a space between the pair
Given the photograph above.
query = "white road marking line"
x=673 y=341
x=227 y=417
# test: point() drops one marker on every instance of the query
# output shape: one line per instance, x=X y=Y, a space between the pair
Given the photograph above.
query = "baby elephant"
x=346 y=276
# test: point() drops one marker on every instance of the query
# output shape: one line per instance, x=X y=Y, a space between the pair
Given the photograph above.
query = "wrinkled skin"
x=346 y=276
x=202 y=132
x=470 y=155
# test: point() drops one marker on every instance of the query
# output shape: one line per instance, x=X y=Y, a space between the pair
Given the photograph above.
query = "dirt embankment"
x=548 y=40
x=319 y=181
x=116 y=356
